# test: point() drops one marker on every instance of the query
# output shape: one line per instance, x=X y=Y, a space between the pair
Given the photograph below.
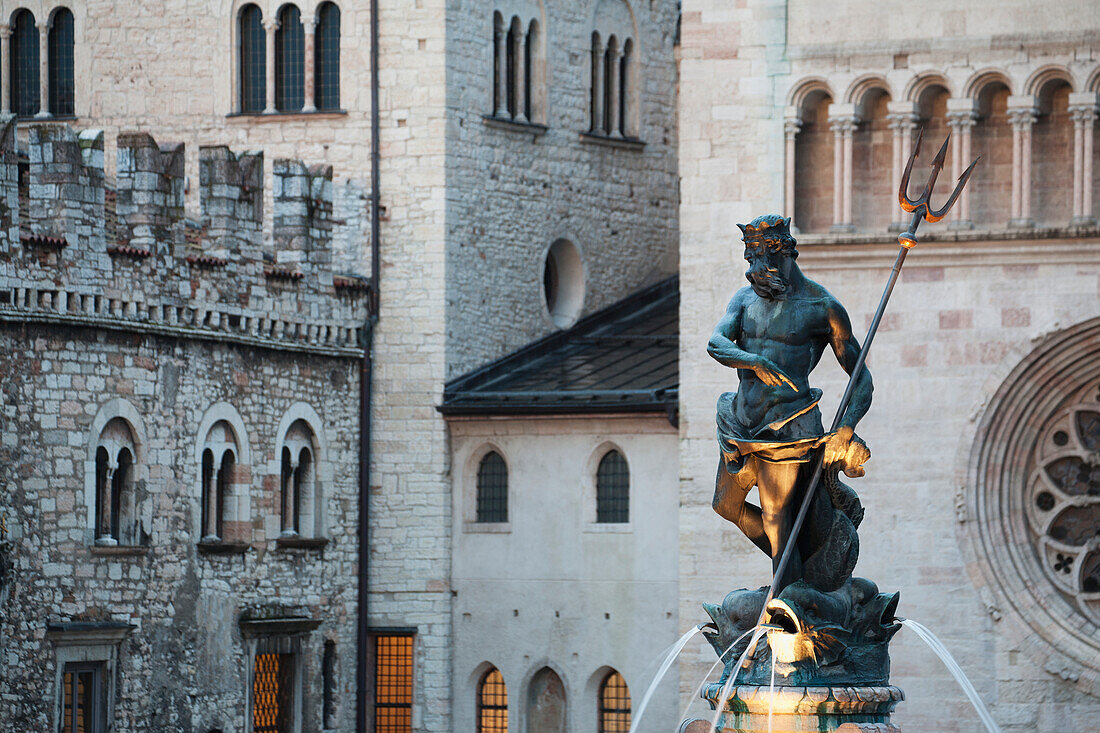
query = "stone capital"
x=843 y=118
x=962 y=112
x=1022 y=110
x=5 y=32
x=1083 y=108
x=792 y=126
x=271 y=25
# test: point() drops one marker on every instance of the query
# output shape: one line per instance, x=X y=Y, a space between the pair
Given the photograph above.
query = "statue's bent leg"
x=730 y=490
x=778 y=484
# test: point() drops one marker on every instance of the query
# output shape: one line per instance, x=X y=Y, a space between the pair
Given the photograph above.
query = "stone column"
x=962 y=115
x=616 y=92
x=309 y=26
x=903 y=119
x=520 y=70
x=5 y=69
x=1022 y=113
x=290 y=489
x=104 y=538
x=1082 y=107
x=43 y=70
x=791 y=126
x=598 y=87
x=501 y=71
x=843 y=120
x=270 y=26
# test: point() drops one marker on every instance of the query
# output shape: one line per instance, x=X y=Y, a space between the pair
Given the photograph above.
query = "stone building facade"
x=983 y=366
x=180 y=525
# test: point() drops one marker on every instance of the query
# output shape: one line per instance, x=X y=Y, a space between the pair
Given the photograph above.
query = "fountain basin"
x=814 y=709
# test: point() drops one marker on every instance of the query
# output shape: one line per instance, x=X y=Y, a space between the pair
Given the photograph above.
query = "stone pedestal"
x=817 y=709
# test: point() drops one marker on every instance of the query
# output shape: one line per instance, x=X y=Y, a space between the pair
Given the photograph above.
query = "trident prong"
x=921 y=207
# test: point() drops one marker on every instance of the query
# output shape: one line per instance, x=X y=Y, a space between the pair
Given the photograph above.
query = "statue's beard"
x=769 y=285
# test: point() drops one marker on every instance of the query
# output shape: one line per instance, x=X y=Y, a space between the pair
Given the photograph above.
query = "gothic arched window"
x=24 y=60
x=115 y=512
x=60 y=53
x=492 y=703
x=492 y=489
x=613 y=489
x=252 y=51
x=614 y=713
x=326 y=63
x=290 y=40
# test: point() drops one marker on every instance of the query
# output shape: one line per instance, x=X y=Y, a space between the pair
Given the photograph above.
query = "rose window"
x=1063 y=510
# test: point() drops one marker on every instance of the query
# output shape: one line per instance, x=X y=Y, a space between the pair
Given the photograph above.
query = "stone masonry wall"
x=513 y=191
x=963 y=312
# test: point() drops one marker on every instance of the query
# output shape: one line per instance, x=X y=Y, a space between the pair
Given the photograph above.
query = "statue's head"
x=770 y=252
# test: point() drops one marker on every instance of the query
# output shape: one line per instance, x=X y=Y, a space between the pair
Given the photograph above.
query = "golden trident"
x=920 y=208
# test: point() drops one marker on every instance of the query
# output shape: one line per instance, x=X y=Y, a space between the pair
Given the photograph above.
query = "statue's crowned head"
x=770 y=252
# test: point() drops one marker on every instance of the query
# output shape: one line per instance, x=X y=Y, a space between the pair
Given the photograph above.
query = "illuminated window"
x=273 y=693
x=24 y=60
x=492 y=703
x=83 y=698
x=60 y=53
x=393 y=683
x=492 y=489
x=326 y=65
x=290 y=60
x=613 y=489
x=614 y=704
x=252 y=50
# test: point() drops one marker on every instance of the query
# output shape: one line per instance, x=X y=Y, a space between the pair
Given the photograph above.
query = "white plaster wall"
x=952 y=323
x=554 y=588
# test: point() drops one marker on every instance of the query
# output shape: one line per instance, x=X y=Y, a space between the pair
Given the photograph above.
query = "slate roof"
x=623 y=359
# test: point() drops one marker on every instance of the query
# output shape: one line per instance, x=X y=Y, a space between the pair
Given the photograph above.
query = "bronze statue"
x=773 y=333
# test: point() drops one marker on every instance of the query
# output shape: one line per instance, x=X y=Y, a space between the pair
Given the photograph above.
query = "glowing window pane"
x=614 y=705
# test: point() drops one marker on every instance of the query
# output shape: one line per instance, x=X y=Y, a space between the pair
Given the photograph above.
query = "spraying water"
x=727 y=688
x=699 y=689
x=956 y=671
x=674 y=652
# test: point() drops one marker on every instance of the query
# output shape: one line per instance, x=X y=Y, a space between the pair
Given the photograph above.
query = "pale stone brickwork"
x=966 y=310
x=513 y=190
x=551 y=587
x=168 y=333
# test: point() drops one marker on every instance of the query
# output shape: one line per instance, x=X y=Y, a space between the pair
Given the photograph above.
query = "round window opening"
x=1034 y=492
x=563 y=283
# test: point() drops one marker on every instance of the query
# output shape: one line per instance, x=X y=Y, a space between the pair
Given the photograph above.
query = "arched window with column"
x=492 y=703
x=610 y=85
x=1052 y=155
x=220 y=511
x=326 y=61
x=290 y=57
x=252 y=57
x=116 y=520
x=991 y=138
x=24 y=64
x=518 y=65
x=810 y=176
x=615 y=83
x=873 y=194
x=614 y=705
x=300 y=500
x=60 y=43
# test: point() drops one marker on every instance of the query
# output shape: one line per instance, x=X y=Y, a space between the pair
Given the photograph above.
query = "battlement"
x=73 y=248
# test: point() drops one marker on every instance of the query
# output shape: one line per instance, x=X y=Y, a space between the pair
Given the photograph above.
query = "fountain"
x=810 y=651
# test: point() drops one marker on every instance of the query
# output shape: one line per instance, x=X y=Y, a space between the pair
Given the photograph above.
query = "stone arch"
x=1046 y=74
x=1093 y=83
x=1052 y=148
x=862 y=86
x=920 y=83
x=981 y=79
x=804 y=88
x=615 y=19
x=991 y=138
x=300 y=443
x=546 y=700
x=471 y=692
x=588 y=479
x=1061 y=371
x=235 y=504
x=813 y=157
x=116 y=428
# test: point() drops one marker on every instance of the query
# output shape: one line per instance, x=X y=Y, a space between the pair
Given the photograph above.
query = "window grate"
x=253 y=60
x=614 y=705
x=393 y=675
x=492 y=703
x=83 y=708
x=290 y=74
x=613 y=489
x=62 y=84
x=326 y=67
x=24 y=65
x=272 y=706
x=492 y=489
